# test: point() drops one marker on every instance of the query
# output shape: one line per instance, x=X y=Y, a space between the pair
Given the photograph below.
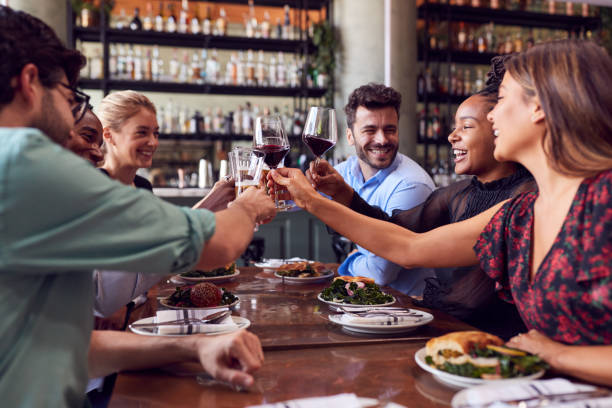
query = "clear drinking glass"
x=320 y=131
x=270 y=140
x=245 y=167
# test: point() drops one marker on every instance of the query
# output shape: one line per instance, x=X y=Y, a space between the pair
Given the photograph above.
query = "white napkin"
x=492 y=395
x=383 y=318
x=162 y=316
x=340 y=400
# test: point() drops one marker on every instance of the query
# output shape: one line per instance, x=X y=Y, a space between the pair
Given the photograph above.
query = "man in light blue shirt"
x=381 y=176
x=60 y=218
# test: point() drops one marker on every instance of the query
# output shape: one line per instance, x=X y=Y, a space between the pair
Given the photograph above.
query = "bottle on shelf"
x=278 y=29
x=422 y=131
x=203 y=65
x=281 y=72
x=112 y=61
x=251 y=25
x=250 y=69
x=207 y=23
x=184 y=69
x=175 y=66
x=287 y=33
x=129 y=62
x=148 y=66
x=160 y=22
x=481 y=42
x=261 y=73
x=552 y=7
x=453 y=80
x=147 y=21
x=421 y=84
x=265 y=25
x=221 y=23
x=136 y=23
x=156 y=65
x=122 y=21
x=171 y=20
x=137 y=73
x=462 y=37
x=96 y=69
x=212 y=68
x=240 y=69
x=121 y=61
x=196 y=69
x=183 y=21
x=272 y=75
x=194 y=23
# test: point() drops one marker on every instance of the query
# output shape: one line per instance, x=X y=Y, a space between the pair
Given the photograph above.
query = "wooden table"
x=305 y=355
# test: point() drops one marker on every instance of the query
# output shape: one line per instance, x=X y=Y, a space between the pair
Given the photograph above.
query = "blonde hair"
x=118 y=107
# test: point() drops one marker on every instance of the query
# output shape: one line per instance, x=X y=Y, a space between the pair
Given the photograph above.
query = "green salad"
x=510 y=366
x=369 y=294
x=226 y=270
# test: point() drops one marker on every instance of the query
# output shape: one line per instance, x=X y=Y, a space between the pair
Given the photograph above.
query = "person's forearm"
x=590 y=363
x=233 y=233
x=450 y=245
x=113 y=351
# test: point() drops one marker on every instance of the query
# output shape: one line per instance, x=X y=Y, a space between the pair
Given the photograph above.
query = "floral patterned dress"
x=570 y=297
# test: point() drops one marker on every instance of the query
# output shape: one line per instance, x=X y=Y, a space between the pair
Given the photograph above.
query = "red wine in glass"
x=317 y=145
x=273 y=154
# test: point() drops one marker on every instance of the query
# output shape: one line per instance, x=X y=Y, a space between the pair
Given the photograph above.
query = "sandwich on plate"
x=478 y=354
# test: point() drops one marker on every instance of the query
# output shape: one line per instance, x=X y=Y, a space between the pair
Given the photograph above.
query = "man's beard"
x=50 y=121
x=361 y=154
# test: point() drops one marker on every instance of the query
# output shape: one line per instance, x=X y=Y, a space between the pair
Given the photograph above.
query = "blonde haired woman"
x=550 y=251
x=131 y=136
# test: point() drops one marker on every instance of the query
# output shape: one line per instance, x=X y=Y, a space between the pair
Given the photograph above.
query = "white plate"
x=164 y=302
x=399 y=327
x=208 y=278
x=457 y=381
x=326 y=275
x=347 y=305
x=241 y=323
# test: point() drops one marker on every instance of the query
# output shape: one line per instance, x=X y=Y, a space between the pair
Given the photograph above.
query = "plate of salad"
x=355 y=291
x=227 y=272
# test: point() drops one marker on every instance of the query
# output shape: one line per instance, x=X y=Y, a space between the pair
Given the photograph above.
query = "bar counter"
x=305 y=354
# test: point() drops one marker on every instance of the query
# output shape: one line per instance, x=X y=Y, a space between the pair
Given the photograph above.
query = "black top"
x=464 y=292
x=139 y=182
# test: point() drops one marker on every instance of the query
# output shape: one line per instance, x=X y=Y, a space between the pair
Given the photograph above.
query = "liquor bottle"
x=183 y=22
x=231 y=72
x=237 y=121
x=479 y=81
x=156 y=65
x=122 y=20
x=475 y=3
x=265 y=25
x=569 y=8
x=221 y=23
x=217 y=122
x=136 y=24
x=428 y=81
x=508 y=45
x=433 y=36
x=159 y=18
x=196 y=69
x=184 y=69
x=137 y=75
x=121 y=61
x=129 y=62
x=278 y=29
x=148 y=66
x=240 y=69
x=467 y=82
x=112 y=61
x=422 y=125
x=171 y=20
x=212 y=68
x=461 y=37
x=286 y=33
x=293 y=74
x=250 y=69
x=281 y=71
x=252 y=21
x=194 y=23
x=518 y=42
x=247 y=122
x=249 y=31
x=452 y=89
x=260 y=73
x=208 y=120
x=421 y=84
x=96 y=70
x=494 y=4
x=585 y=10
x=147 y=21
x=206 y=24
x=470 y=45
x=272 y=78
x=203 y=65
x=460 y=83
x=491 y=40
x=175 y=66
x=482 y=43
x=530 y=41
x=552 y=6
x=435 y=124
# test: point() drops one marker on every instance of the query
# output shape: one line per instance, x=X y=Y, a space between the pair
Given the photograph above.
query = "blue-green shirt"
x=59 y=219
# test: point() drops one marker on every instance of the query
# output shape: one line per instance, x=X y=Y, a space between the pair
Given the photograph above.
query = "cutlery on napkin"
x=163 y=316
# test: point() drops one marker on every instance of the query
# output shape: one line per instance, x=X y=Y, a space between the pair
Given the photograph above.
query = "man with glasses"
x=60 y=218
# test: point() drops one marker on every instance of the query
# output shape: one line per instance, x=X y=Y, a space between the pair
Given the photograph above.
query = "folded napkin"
x=506 y=394
x=387 y=318
x=227 y=324
x=340 y=400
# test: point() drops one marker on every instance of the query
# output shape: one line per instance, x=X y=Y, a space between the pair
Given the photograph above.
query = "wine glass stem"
x=275 y=191
x=316 y=164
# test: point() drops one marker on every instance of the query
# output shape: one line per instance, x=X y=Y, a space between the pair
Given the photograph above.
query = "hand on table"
x=231 y=357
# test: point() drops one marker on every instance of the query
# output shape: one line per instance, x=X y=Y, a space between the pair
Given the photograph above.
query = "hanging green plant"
x=324 y=63
x=93 y=7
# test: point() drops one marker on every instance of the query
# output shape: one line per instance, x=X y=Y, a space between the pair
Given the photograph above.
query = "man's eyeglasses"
x=80 y=103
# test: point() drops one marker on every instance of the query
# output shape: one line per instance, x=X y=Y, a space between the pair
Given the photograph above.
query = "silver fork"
x=213 y=318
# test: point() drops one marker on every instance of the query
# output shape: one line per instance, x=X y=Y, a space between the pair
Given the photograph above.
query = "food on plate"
x=201 y=295
x=478 y=354
x=355 y=290
x=301 y=269
x=228 y=269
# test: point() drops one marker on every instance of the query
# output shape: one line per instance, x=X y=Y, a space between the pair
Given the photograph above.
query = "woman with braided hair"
x=464 y=292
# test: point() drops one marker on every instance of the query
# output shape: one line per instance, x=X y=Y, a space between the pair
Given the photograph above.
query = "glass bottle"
x=171 y=20
x=196 y=68
x=148 y=66
x=240 y=69
x=183 y=22
x=286 y=30
x=129 y=62
x=112 y=61
x=159 y=18
x=136 y=23
x=250 y=69
x=137 y=73
x=206 y=24
x=260 y=73
x=281 y=71
x=221 y=22
x=461 y=37
x=272 y=79
x=265 y=25
x=212 y=68
x=194 y=23
x=204 y=66
x=156 y=65
x=175 y=65
x=147 y=21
